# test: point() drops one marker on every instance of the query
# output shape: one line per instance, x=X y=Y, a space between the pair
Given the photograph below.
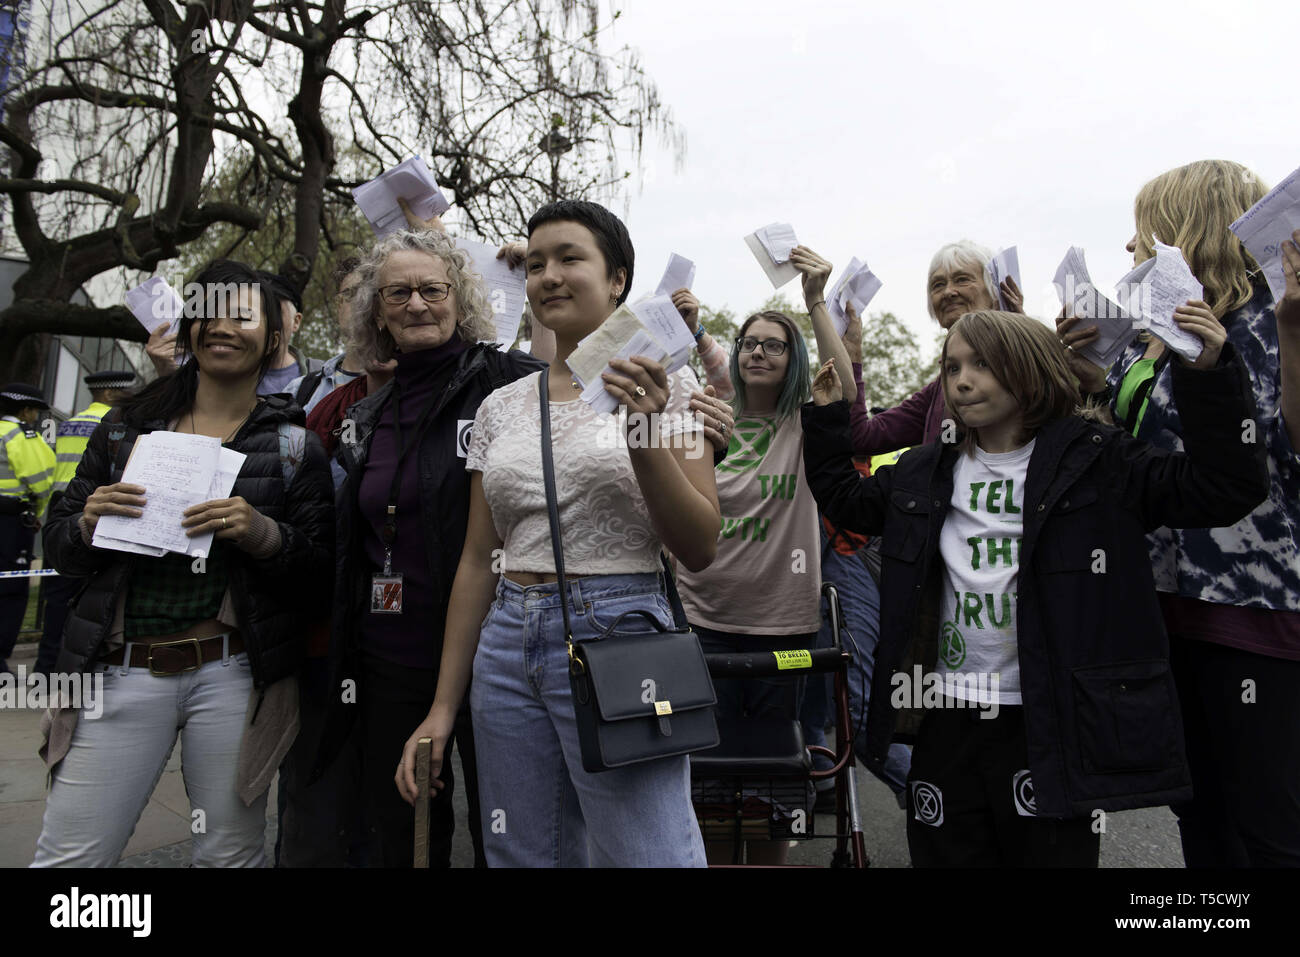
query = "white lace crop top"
x=603 y=516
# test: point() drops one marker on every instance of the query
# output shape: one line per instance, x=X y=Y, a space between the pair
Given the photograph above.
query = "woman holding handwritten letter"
x=1020 y=633
x=619 y=502
x=209 y=644
x=1230 y=596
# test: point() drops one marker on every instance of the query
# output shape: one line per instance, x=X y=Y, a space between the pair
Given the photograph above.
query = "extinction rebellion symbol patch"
x=927 y=800
x=1022 y=792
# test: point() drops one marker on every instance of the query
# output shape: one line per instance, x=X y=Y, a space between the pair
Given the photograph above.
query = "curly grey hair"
x=474 y=322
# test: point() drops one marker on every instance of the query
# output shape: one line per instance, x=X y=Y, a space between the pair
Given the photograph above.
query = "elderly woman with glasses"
x=402 y=513
x=761 y=593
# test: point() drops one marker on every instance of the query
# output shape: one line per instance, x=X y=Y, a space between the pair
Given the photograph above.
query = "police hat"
x=22 y=394
x=113 y=379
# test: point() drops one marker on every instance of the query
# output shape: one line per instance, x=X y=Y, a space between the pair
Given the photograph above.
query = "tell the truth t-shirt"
x=980 y=547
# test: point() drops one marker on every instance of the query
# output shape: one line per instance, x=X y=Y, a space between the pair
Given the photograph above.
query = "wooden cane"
x=423 y=762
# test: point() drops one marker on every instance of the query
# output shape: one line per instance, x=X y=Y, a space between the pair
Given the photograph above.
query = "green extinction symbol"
x=952 y=646
x=750 y=441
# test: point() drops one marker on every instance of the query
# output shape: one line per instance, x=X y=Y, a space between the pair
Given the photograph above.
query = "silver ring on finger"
x=640 y=391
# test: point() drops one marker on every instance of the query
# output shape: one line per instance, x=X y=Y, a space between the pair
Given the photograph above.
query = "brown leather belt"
x=177 y=656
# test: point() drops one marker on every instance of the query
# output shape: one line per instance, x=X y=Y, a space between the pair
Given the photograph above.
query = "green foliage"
x=893 y=365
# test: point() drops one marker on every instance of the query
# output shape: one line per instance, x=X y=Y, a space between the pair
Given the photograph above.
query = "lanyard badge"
x=386 y=586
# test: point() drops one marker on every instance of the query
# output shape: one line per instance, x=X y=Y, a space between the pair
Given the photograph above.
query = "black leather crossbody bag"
x=640 y=691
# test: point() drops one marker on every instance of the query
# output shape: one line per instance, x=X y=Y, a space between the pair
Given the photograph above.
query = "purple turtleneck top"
x=412 y=638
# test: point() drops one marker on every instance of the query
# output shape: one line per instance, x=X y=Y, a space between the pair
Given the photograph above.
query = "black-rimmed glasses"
x=773 y=347
x=430 y=292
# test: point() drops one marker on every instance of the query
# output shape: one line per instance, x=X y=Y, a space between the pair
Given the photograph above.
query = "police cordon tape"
x=28 y=573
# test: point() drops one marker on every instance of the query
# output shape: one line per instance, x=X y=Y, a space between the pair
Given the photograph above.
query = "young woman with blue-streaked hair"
x=762 y=591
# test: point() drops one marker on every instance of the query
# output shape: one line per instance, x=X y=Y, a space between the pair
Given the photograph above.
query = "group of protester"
x=1117 y=548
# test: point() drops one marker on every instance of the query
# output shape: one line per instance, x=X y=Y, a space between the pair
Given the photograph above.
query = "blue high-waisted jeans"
x=539 y=807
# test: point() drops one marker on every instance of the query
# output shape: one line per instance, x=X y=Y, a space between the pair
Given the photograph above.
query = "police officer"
x=26 y=479
x=107 y=389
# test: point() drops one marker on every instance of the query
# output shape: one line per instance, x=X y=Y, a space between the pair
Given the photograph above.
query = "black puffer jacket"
x=1101 y=711
x=271 y=596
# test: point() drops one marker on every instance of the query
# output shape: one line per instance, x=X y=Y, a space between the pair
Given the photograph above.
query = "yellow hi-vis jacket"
x=26 y=464
x=71 y=443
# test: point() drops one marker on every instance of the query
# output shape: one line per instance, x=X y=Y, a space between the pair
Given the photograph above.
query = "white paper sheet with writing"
x=665 y=324
x=777 y=274
x=641 y=344
x=1004 y=265
x=1151 y=293
x=177 y=472
x=154 y=302
x=1265 y=226
x=229 y=462
x=410 y=180
x=679 y=274
x=1083 y=299
x=505 y=288
x=857 y=286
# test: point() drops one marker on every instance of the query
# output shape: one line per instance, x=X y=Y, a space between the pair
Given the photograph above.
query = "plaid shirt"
x=168 y=595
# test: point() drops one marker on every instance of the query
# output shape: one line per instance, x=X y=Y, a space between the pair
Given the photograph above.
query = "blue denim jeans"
x=539 y=807
x=859 y=634
x=102 y=786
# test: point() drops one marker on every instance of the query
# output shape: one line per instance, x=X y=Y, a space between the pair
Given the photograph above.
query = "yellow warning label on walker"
x=793 y=659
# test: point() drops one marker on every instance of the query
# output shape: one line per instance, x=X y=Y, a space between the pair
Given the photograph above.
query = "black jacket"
x=1101 y=713
x=271 y=595
x=444 y=508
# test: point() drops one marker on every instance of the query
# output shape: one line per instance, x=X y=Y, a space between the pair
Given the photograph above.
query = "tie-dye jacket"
x=1257 y=561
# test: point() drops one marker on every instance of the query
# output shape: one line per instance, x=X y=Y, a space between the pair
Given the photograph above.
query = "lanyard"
x=389 y=535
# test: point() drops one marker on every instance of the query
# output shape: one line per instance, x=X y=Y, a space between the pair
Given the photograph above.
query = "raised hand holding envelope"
x=856 y=287
x=1264 y=227
x=154 y=302
x=410 y=180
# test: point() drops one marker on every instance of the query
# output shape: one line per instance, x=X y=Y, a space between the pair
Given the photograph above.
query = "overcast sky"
x=884 y=130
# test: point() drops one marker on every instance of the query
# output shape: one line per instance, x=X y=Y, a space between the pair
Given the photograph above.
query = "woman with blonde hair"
x=1230 y=597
